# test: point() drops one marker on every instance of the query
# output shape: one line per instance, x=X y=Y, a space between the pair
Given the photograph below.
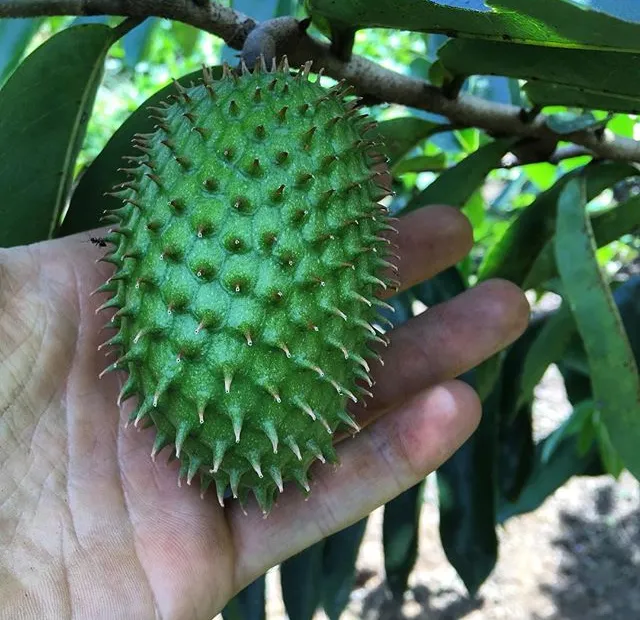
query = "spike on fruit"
x=247 y=264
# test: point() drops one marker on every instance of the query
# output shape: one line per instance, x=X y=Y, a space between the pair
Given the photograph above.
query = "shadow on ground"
x=379 y=604
x=599 y=571
x=595 y=574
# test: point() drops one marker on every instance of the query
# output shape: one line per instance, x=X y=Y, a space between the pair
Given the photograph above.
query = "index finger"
x=428 y=241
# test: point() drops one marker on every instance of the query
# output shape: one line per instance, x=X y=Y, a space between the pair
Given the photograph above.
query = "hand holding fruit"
x=90 y=524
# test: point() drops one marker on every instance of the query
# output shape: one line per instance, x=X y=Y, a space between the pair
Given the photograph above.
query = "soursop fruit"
x=249 y=253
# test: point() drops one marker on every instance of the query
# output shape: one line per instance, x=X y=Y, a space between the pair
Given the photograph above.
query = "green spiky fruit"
x=249 y=251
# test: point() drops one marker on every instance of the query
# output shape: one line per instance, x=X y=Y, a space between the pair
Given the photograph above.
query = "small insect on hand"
x=101 y=242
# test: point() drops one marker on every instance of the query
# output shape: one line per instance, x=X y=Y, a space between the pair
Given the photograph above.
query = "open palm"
x=90 y=527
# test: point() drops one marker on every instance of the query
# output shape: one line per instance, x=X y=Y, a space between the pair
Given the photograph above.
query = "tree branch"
x=368 y=78
x=560 y=154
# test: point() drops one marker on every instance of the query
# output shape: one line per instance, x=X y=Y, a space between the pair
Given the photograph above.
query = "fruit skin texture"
x=248 y=254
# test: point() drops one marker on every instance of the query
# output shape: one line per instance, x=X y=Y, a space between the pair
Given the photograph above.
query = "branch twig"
x=368 y=78
x=560 y=154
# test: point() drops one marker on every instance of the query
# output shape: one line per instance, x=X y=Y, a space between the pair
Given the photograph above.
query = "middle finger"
x=444 y=342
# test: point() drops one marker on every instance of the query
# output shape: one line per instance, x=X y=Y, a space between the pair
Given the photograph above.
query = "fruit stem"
x=264 y=40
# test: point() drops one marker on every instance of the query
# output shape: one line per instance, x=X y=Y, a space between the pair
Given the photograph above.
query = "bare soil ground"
x=575 y=558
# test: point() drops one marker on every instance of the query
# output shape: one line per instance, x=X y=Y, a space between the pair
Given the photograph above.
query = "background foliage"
x=565 y=229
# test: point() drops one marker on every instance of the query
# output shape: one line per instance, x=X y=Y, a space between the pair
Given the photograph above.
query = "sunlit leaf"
x=553 y=23
x=514 y=254
x=614 y=373
x=422 y=163
x=401 y=134
x=186 y=36
x=607 y=227
x=44 y=109
x=456 y=185
x=599 y=75
x=611 y=460
x=548 y=94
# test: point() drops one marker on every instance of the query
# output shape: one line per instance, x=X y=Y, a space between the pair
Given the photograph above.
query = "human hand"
x=90 y=527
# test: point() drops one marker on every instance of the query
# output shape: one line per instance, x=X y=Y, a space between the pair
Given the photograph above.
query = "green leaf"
x=514 y=254
x=342 y=36
x=574 y=366
x=93 y=19
x=44 y=109
x=580 y=424
x=623 y=125
x=513 y=365
x=549 y=346
x=487 y=374
x=438 y=74
x=322 y=574
x=88 y=202
x=401 y=134
x=339 y=567
x=286 y=7
x=401 y=313
x=467 y=499
x=422 y=163
x=614 y=373
x=469 y=138
x=627 y=298
x=597 y=73
x=549 y=94
x=611 y=460
x=400 y=536
x=568 y=122
x=586 y=438
x=442 y=287
x=552 y=23
x=516 y=448
x=318 y=21
x=475 y=209
x=419 y=68
x=576 y=382
x=186 y=36
x=548 y=476
x=248 y=604
x=542 y=175
x=516 y=452
x=575 y=371
x=15 y=36
x=457 y=184
x=301 y=581
x=136 y=42
x=342 y=41
x=506 y=366
x=572 y=425
x=607 y=227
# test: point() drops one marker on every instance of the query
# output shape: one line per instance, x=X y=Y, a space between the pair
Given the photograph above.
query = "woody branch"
x=367 y=77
